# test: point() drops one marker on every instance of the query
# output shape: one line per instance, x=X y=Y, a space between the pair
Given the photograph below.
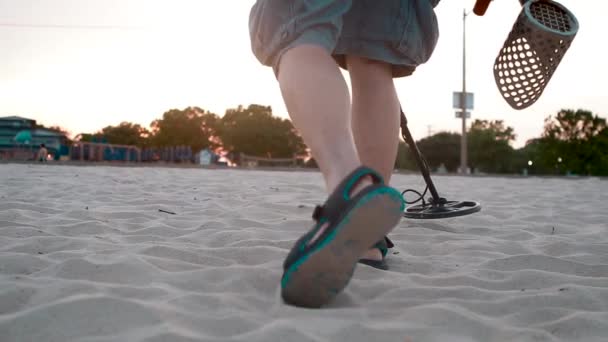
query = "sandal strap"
x=389 y=243
x=332 y=210
x=384 y=245
x=340 y=198
x=317 y=213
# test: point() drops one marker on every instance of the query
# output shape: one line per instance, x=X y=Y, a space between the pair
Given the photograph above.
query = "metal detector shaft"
x=424 y=169
x=438 y=207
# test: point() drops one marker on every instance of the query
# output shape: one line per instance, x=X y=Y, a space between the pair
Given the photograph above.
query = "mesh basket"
x=537 y=43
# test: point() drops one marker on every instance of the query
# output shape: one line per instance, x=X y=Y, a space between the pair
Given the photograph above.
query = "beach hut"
x=20 y=138
x=206 y=157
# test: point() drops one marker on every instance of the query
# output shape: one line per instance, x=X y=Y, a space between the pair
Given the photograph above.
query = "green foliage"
x=255 y=132
x=573 y=142
x=571 y=126
x=599 y=148
x=86 y=137
x=405 y=159
x=124 y=134
x=441 y=148
x=488 y=147
x=192 y=127
x=496 y=128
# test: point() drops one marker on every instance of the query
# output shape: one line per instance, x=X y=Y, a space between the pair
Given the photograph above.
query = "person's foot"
x=322 y=262
x=373 y=254
x=361 y=184
x=376 y=257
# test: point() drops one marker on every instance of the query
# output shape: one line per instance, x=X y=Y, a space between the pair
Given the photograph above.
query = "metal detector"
x=436 y=207
x=530 y=55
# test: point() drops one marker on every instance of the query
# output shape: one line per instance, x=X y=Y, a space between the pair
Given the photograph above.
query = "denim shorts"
x=402 y=33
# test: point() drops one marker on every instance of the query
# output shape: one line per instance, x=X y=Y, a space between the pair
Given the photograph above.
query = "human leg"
x=375 y=114
x=322 y=261
x=318 y=102
x=375 y=123
x=380 y=41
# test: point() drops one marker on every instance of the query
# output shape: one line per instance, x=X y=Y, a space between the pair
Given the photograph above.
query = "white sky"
x=148 y=56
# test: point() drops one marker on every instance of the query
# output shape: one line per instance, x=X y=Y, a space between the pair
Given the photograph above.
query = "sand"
x=165 y=254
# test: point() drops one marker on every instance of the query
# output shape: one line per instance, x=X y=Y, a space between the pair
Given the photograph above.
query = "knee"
x=368 y=69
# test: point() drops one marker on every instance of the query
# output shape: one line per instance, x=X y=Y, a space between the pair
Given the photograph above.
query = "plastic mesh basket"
x=537 y=43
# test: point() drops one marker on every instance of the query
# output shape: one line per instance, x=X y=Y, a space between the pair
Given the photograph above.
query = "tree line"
x=573 y=141
x=252 y=130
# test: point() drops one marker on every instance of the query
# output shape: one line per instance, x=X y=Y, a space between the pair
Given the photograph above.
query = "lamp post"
x=463 y=106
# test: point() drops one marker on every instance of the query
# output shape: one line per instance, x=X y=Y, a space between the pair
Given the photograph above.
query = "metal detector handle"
x=481 y=6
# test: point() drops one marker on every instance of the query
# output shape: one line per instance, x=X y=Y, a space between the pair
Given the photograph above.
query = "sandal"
x=315 y=272
x=382 y=245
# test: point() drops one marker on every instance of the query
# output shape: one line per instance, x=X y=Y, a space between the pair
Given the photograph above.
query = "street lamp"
x=463 y=101
x=463 y=106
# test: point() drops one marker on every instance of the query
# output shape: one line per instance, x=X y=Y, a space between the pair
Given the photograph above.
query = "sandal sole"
x=318 y=277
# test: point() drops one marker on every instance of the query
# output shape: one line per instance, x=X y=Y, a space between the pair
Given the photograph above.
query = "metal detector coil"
x=437 y=207
x=533 y=50
x=444 y=209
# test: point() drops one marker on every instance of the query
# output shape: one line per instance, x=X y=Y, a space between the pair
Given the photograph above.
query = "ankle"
x=361 y=184
x=335 y=178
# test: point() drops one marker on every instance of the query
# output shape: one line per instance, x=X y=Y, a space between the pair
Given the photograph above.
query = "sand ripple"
x=86 y=255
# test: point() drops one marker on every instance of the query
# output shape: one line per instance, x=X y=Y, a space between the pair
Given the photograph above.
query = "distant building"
x=20 y=136
x=207 y=157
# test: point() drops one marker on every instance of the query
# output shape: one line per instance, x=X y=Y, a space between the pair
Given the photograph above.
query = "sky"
x=87 y=64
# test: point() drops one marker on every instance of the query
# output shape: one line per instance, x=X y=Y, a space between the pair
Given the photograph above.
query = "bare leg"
x=317 y=98
x=375 y=118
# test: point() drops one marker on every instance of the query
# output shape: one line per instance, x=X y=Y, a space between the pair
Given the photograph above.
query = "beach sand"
x=100 y=253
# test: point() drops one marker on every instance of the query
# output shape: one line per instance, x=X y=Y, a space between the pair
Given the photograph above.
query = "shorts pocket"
x=420 y=30
x=270 y=23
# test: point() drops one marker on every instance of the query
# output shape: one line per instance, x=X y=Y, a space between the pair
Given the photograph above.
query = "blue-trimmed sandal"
x=383 y=246
x=315 y=272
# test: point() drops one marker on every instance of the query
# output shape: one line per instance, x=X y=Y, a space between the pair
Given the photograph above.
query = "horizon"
x=87 y=65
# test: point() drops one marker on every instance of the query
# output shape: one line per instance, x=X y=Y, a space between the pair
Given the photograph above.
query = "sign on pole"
x=457 y=100
x=459 y=114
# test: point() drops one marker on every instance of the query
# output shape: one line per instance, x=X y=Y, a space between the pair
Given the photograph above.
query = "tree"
x=544 y=157
x=441 y=148
x=405 y=159
x=192 y=127
x=569 y=125
x=599 y=143
x=488 y=149
x=125 y=134
x=488 y=146
x=573 y=142
x=496 y=128
x=255 y=131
